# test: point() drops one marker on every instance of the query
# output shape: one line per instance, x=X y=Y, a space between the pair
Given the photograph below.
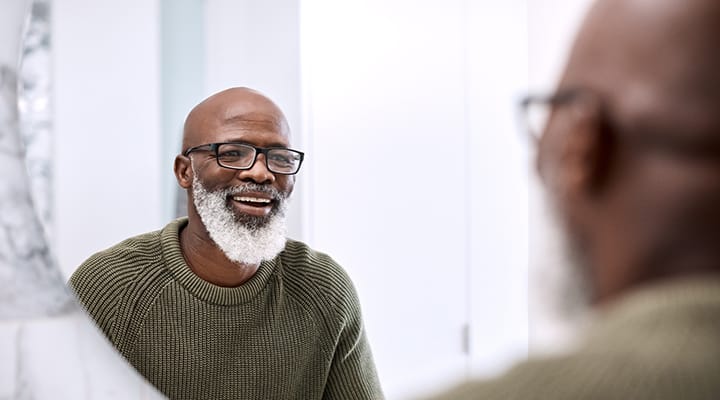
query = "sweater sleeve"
x=352 y=373
x=316 y=278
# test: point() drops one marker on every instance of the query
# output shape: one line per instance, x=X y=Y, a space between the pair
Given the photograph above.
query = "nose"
x=258 y=173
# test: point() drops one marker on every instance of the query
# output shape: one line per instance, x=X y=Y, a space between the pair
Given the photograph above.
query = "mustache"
x=255 y=188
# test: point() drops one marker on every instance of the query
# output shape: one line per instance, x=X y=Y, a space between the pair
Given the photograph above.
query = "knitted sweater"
x=293 y=331
x=658 y=343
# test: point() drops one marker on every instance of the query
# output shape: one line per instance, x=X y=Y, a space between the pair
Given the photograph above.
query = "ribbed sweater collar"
x=206 y=291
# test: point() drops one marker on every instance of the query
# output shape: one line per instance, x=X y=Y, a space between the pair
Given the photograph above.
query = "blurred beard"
x=560 y=282
x=244 y=239
x=573 y=295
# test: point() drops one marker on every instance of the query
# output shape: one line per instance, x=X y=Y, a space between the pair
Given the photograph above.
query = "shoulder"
x=536 y=379
x=309 y=272
x=599 y=373
x=101 y=281
x=312 y=263
x=119 y=262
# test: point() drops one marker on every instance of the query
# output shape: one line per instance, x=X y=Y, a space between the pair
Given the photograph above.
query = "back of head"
x=634 y=156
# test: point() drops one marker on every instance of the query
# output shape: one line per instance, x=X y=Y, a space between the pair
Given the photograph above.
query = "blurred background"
x=418 y=178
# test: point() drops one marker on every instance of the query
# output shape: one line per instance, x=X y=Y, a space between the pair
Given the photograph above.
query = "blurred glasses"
x=278 y=160
x=667 y=138
x=535 y=111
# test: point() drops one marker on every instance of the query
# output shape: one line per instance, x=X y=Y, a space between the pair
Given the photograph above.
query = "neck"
x=614 y=274
x=208 y=262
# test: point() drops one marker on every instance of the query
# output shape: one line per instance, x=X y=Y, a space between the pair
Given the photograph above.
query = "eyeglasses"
x=535 y=110
x=278 y=160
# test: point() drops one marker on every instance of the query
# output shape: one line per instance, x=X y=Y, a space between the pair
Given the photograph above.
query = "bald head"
x=636 y=173
x=655 y=61
x=228 y=110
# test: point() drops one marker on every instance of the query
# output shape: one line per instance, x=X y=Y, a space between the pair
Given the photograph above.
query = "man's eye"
x=279 y=158
x=235 y=153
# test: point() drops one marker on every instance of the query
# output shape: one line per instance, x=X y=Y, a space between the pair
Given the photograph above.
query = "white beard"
x=560 y=289
x=573 y=284
x=241 y=241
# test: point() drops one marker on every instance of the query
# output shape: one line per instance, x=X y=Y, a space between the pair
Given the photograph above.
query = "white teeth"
x=251 y=199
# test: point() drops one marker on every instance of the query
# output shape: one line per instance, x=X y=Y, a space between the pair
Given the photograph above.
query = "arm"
x=352 y=373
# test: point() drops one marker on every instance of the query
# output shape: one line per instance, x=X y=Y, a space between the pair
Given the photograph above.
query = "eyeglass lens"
x=241 y=156
x=537 y=114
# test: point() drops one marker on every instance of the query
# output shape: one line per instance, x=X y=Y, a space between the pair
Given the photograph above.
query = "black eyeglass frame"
x=665 y=142
x=213 y=148
x=561 y=97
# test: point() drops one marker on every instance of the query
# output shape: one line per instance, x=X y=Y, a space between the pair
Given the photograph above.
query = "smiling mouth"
x=252 y=201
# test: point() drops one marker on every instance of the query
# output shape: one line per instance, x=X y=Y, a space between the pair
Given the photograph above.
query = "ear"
x=587 y=155
x=183 y=171
x=575 y=152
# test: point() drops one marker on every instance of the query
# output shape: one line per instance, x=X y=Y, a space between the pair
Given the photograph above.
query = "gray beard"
x=574 y=289
x=242 y=238
x=560 y=283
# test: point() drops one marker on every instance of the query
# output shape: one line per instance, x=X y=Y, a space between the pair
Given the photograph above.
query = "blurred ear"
x=574 y=155
x=588 y=152
x=183 y=171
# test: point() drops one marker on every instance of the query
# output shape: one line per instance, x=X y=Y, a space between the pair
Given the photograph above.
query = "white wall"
x=106 y=124
x=388 y=172
x=418 y=177
x=497 y=57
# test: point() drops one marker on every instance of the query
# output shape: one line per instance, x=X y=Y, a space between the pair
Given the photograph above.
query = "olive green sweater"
x=293 y=331
x=657 y=343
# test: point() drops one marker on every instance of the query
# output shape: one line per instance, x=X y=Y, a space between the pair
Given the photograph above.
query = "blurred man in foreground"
x=220 y=305
x=631 y=159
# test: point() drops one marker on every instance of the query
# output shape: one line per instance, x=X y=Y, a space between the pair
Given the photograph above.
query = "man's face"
x=243 y=211
x=253 y=196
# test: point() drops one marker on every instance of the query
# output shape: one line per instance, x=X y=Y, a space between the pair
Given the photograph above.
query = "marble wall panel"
x=49 y=348
x=32 y=284
x=34 y=105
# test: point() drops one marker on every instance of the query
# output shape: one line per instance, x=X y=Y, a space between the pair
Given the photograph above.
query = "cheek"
x=697 y=195
x=675 y=182
x=671 y=195
x=215 y=178
x=285 y=184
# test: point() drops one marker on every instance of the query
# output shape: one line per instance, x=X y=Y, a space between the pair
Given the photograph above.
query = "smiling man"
x=220 y=305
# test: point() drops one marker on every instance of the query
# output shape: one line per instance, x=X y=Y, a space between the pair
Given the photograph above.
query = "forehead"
x=255 y=128
x=260 y=126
